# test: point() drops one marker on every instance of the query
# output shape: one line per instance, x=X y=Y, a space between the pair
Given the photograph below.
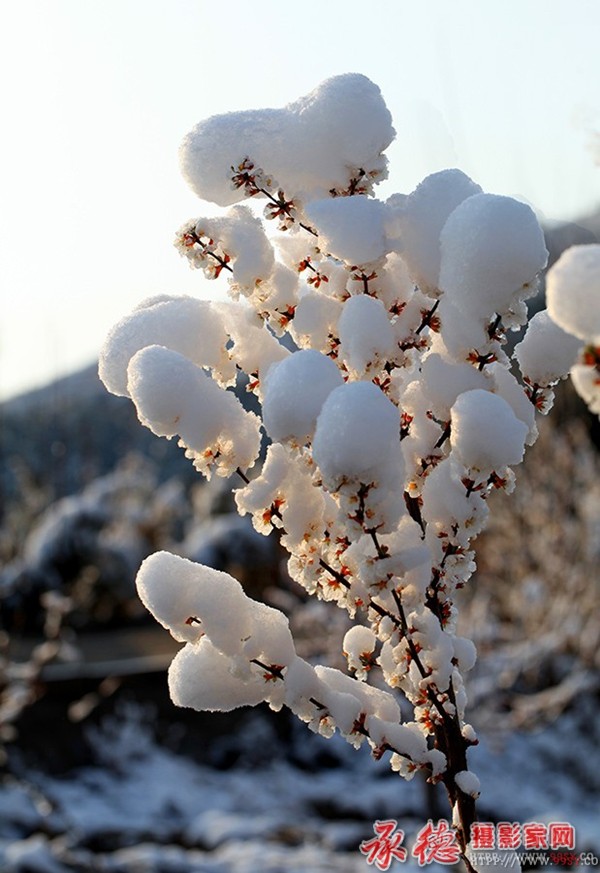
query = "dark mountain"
x=60 y=437
x=561 y=235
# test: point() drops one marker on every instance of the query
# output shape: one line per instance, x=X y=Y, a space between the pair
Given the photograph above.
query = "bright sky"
x=99 y=93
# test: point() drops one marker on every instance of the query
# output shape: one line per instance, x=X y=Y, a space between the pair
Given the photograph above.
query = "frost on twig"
x=389 y=423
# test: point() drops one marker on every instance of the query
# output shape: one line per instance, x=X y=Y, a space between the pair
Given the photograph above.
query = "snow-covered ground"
x=143 y=808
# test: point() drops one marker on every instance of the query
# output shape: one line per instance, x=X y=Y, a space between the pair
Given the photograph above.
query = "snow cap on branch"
x=573 y=292
x=358 y=432
x=492 y=248
x=547 y=352
x=189 y=326
x=176 y=590
x=238 y=237
x=174 y=396
x=422 y=218
x=365 y=333
x=350 y=228
x=294 y=392
x=486 y=435
x=308 y=147
x=201 y=678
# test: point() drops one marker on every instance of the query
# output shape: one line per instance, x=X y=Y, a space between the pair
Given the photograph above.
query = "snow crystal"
x=349 y=228
x=294 y=392
x=357 y=432
x=573 y=291
x=486 y=435
x=492 y=248
x=308 y=147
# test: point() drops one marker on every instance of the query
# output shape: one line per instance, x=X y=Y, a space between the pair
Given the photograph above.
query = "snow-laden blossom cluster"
x=391 y=411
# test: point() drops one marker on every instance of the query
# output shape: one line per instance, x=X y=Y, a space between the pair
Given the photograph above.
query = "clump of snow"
x=573 y=292
x=547 y=352
x=443 y=381
x=421 y=218
x=294 y=392
x=350 y=228
x=486 y=435
x=357 y=432
x=189 y=326
x=492 y=249
x=316 y=320
x=176 y=590
x=200 y=678
x=174 y=396
x=586 y=382
x=237 y=238
x=308 y=147
x=358 y=646
x=365 y=333
x=468 y=783
x=253 y=347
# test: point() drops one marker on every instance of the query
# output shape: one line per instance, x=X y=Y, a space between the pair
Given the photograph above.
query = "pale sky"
x=97 y=95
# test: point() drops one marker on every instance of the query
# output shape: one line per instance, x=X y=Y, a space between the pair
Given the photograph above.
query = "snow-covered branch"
x=391 y=411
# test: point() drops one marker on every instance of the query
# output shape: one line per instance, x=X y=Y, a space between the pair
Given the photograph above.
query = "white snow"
x=573 y=291
x=294 y=392
x=492 y=248
x=486 y=435
x=365 y=333
x=174 y=396
x=307 y=147
x=547 y=352
x=468 y=782
x=357 y=432
x=350 y=228
x=421 y=219
x=200 y=677
x=189 y=326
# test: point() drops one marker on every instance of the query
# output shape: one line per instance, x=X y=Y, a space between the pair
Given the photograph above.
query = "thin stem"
x=339 y=577
x=242 y=475
x=220 y=261
x=445 y=435
x=284 y=206
x=427 y=317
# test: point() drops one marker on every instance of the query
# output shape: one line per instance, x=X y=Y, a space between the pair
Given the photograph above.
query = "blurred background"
x=99 y=770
